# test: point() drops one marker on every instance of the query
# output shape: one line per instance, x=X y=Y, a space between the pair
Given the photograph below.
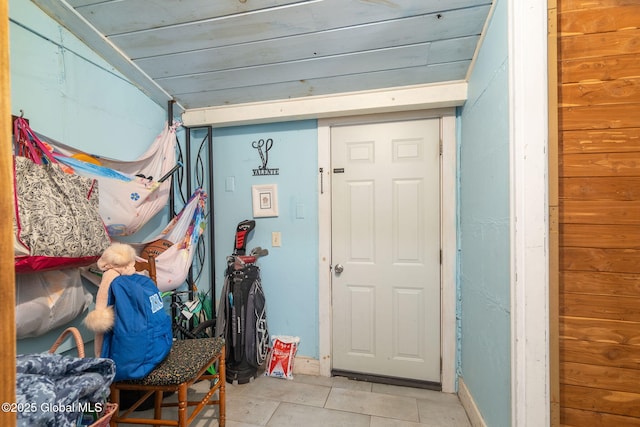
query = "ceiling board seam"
x=356 y=27
x=322 y=57
x=314 y=79
x=219 y=17
x=304 y=60
x=213 y=19
x=210 y=20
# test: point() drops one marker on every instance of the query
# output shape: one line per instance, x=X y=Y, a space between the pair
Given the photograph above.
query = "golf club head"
x=242 y=235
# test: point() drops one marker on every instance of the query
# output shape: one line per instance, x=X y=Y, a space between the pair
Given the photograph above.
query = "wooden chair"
x=149 y=267
x=188 y=362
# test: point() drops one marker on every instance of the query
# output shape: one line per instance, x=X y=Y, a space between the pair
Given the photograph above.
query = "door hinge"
x=440 y=147
x=440 y=256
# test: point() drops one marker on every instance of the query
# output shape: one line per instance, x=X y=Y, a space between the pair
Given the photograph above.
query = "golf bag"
x=241 y=318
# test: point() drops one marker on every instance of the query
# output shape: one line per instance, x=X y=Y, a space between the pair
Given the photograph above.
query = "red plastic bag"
x=282 y=356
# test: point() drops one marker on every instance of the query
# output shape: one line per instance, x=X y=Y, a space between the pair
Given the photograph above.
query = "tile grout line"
x=273 y=413
x=324 y=406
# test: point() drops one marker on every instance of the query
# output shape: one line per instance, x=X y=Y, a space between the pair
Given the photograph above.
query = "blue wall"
x=290 y=272
x=484 y=246
x=70 y=94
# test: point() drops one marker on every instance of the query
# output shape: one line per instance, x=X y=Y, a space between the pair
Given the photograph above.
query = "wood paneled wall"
x=7 y=275
x=599 y=212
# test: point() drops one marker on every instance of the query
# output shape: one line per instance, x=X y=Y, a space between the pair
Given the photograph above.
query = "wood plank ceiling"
x=208 y=53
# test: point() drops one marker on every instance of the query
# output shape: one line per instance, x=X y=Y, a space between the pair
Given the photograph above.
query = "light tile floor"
x=312 y=401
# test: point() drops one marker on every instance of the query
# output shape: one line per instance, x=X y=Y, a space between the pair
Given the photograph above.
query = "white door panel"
x=386 y=236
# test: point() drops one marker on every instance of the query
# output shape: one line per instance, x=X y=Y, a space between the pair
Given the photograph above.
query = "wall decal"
x=263 y=148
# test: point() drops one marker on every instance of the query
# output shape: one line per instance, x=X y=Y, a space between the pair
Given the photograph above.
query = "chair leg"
x=182 y=405
x=222 y=407
x=157 y=405
x=115 y=398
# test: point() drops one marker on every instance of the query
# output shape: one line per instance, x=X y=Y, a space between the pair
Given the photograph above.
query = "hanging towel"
x=184 y=232
x=131 y=192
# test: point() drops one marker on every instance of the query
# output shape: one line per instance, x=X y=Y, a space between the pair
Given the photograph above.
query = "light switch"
x=230 y=184
x=276 y=239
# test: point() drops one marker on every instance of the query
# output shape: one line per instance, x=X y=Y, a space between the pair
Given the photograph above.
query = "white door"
x=386 y=249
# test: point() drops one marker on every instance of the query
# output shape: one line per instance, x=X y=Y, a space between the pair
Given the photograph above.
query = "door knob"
x=339 y=268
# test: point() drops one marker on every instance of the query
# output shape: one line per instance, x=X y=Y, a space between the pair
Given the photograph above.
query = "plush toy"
x=117 y=260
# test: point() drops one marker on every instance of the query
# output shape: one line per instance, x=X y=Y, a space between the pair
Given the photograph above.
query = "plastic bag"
x=282 y=356
x=47 y=300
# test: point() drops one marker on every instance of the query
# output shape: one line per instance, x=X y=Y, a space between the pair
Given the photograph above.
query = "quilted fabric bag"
x=56 y=221
x=63 y=391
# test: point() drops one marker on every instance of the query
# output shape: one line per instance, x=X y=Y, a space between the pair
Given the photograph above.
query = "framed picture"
x=265 y=200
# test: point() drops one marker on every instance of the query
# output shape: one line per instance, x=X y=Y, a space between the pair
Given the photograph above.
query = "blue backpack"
x=141 y=335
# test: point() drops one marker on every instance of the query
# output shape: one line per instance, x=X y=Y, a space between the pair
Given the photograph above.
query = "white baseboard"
x=469 y=405
x=306 y=366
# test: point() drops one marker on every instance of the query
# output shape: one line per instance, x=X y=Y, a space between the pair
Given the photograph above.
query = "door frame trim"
x=448 y=206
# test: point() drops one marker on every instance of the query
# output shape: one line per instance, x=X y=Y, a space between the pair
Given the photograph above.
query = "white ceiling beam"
x=408 y=98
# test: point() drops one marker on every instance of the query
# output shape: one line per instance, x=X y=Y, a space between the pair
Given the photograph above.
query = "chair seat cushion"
x=185 y=360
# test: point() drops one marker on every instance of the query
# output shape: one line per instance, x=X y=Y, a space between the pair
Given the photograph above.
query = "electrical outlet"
x=276 y=239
